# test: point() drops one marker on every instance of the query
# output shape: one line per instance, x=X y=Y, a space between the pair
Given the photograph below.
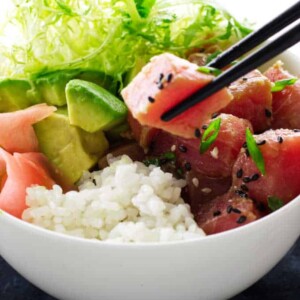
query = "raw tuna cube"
x=226 y=212
x=286 y=104
x=252 y=100
x=218 y=160
x=166 y=81
x=281 y=152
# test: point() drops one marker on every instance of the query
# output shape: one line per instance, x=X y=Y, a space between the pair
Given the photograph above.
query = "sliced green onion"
x=209 y=70
x=274 y=203
x=213 y=56
x=210 y=135
x=151 y=161
x=169 y=155
x=255 y=152
x=157 y=161
x=282 y=84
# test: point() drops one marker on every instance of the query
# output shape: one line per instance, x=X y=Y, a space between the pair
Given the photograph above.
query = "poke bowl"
x=129 y=225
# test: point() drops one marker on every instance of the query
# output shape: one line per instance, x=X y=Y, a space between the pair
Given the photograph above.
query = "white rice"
x=125 y=202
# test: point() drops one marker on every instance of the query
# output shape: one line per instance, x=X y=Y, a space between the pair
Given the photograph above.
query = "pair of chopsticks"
x=283 y=42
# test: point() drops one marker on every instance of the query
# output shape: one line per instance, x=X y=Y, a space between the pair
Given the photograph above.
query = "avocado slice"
x=69 y=148
x=93 y=108
x=15 y=94
x=51 y=85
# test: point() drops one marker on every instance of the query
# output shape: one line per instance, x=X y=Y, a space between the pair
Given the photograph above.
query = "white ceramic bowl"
x=215 y=267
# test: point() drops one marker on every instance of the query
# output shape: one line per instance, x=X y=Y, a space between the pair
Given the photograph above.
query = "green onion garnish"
x=169 y=155
x=255 y=152
x=274 y=203
x=209 y=70
x=281 y=84
x=210 y=135
x=158 y=161
x=212 y=56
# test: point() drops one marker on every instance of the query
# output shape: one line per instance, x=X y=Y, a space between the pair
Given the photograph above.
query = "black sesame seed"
x=296 y=130
x=260 y=143
x=229 y=209
x=197 y=133
x=236 y=210
x=247 y=152
x=268 y=113
x=161 y=76
x=160 y=86
x=169 y=77
x=204 y=127
x=244 y=188
x=255 y=177
x=260 y=206
x=94 y=182
x=242 y=194
x=214 y=115
x=188 y=166
x=245 y=78
x=280 y=139
x=239 y=173
x=241 y=219
x=151 y=99
x=182 y=148
x=246 y=179
x=216 y=213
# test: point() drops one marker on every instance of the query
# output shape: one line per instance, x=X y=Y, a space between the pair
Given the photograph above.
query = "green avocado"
x=50 y=86
x=93 y=108
x=69 y=148
x=15 y=94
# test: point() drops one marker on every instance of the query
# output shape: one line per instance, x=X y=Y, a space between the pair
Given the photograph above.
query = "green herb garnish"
x=274 y=203
x=158 y=161
x=210 y=135
x=281 y=84
x=212 y=56
x=169 y=155
x=151 y=161
x=255 y=152
x=209 y=70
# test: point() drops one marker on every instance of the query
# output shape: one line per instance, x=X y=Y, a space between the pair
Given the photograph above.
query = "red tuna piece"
x=226 y=212
x=252 y=97
x=18 y=172
x=202 y=189
x=286 y=103
x=142 y=134
x=281 y=152
x=166 y=81
x=218 y=160
x=17 y=134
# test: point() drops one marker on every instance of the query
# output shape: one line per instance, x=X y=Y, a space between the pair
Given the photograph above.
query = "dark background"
x=282 y=283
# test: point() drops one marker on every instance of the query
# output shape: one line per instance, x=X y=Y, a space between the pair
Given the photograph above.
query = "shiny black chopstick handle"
x=251 y=62
x=257 y=37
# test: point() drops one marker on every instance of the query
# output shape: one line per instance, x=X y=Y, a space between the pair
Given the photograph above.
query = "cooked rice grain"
x=125 y=202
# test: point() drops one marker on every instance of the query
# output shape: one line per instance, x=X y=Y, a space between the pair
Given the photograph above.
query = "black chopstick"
x=253 y=61
x=257 y=37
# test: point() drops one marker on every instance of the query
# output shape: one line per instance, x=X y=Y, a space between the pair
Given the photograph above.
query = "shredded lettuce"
x=108 y=35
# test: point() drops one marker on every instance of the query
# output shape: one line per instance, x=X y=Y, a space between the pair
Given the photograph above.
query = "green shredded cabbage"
x=108 y=35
